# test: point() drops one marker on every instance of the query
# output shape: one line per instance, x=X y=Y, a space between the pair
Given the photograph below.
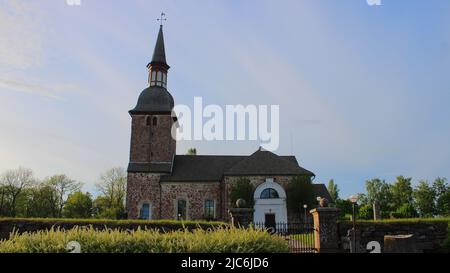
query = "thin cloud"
x=21 y=35
x=49 y=91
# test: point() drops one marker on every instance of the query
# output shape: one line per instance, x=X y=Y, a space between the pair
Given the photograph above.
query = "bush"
x=365 y=212
x=7 y=225
x=300 y=191
x=405 y=211
x=242 y=189
x=219 y=240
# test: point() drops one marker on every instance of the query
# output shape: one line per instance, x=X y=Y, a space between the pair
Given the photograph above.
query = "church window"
x=209 y=209
x=155 y=121
x=147 y=120
x=145 y=212
x=269 y=194
x=153 y=78
x=181 y=209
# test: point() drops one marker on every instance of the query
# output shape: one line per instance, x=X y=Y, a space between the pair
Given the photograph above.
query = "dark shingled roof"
x=267 y=163
x=154 y=100
x=198 y=168
x=321 y=191
x=159 y=54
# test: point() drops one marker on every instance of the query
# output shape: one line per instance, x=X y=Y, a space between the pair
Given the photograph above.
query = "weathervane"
x=162 y=18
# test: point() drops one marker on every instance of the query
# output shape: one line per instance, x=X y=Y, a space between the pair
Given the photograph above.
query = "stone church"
x=164 y=185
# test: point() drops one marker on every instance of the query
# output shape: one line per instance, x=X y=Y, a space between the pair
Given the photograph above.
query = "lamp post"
x=305 y=206
x=354 y=199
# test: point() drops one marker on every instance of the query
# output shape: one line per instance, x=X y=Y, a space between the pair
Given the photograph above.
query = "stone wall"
x=429 y=235
x=152 y=143
x=195 y=193
x=143 y=188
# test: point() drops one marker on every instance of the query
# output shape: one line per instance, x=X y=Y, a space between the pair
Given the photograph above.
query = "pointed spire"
x=159 y=54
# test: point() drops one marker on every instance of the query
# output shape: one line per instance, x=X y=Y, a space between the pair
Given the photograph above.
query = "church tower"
x=152 y=148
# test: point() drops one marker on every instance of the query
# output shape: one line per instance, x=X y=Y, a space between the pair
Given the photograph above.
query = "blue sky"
x=363 y=90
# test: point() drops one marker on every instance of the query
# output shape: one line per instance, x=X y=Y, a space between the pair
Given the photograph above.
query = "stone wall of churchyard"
x=194 y=193
x=429 y=235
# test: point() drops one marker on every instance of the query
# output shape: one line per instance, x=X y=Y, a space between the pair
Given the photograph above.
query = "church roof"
x=154 y=100
x=267 y=163
x=201 y=168
x=321 y=190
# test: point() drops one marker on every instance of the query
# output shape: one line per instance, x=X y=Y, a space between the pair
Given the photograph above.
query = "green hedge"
x=398 y=221
x=105 y=221
x=219 y=240
x=8 y=225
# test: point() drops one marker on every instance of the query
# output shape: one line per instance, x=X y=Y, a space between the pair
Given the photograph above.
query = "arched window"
x=269 y=194
x=155 y=121
x=145 y=212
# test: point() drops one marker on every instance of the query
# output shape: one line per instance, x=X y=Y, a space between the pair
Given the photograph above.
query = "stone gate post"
x=326 y=229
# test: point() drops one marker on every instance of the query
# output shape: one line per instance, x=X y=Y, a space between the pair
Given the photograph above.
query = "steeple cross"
x=162 y=18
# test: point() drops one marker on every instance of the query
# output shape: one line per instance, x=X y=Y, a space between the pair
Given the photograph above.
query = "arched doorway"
x=270 y=204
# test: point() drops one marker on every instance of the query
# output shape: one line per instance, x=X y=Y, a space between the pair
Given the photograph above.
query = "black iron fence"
x=300 y=236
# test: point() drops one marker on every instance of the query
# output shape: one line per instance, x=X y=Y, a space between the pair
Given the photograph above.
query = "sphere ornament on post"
x=323 y=203
x=241 y=215
x=240 y=203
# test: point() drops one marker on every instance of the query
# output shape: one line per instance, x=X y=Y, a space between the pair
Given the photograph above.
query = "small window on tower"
x=153 y=79
x=155 y=121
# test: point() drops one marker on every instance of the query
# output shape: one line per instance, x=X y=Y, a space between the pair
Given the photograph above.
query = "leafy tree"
x=424 y=196
x=365 y=212
x=345 y=206
x=379 y=192
x=113 y=191
x=38 y=201
x=242 y=189
x=405 y=211
x=300 y=191
x=363 y=200
x=3 y=200
x=402 y=192
x=442 y=192
x=14 y=182
x=192 y=151
x=333 y=190
x=78 y=205
x=101 y=208
x=63 y=186
x=444 y=204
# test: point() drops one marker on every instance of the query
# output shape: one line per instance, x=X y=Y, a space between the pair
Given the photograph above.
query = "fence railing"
x=300 y=236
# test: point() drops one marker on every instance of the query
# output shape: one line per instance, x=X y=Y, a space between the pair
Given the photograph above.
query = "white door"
x=270 y=199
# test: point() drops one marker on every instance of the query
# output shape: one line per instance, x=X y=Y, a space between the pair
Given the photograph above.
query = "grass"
x=219 y=240
x=305 y=239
